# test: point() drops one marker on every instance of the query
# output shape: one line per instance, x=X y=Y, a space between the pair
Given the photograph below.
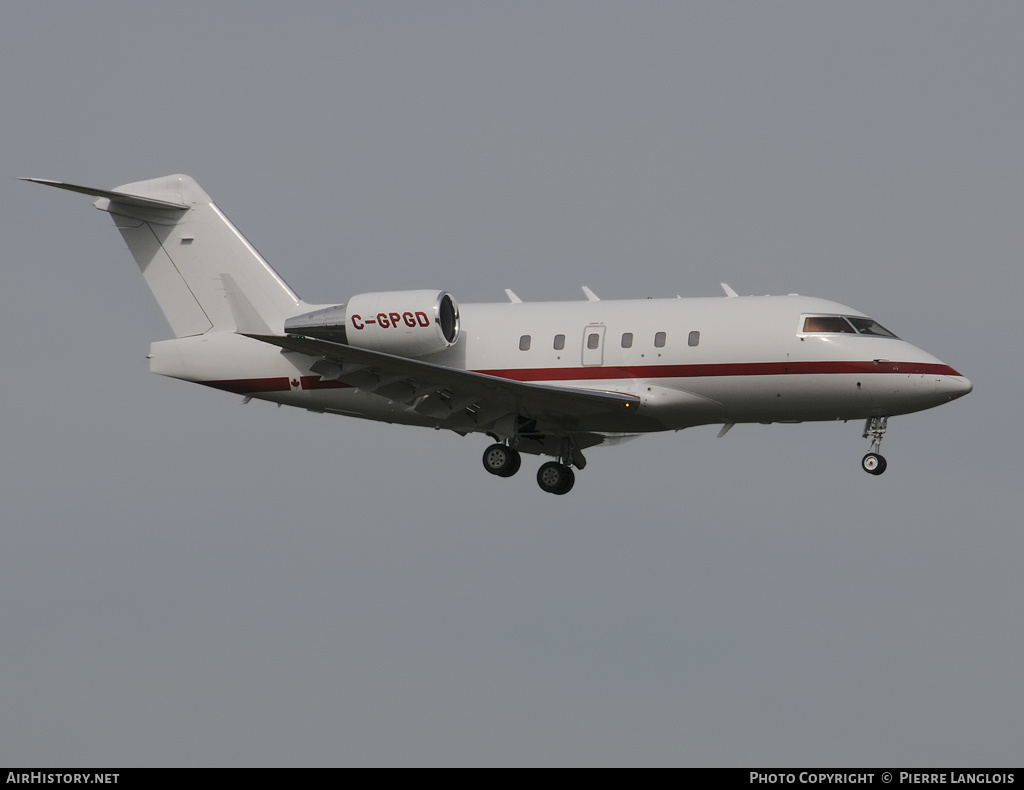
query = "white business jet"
x=550 y=378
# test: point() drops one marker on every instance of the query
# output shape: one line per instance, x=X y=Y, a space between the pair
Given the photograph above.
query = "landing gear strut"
x=874 y=462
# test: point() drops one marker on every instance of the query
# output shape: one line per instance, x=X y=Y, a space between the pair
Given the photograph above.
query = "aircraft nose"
x=954 y=387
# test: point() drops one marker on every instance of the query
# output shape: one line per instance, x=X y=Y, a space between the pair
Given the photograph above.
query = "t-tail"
x=204 y=274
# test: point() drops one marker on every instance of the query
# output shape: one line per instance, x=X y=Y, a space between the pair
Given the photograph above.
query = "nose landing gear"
x=874 y=462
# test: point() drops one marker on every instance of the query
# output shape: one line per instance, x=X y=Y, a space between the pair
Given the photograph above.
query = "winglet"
x=728 y=291
x=512 y=297
x=591 y=297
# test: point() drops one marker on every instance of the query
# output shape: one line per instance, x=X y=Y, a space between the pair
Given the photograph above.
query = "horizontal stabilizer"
x=117 y=197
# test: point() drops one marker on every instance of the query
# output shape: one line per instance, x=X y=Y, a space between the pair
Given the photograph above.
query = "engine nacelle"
x=404 y=323
x=408 y=323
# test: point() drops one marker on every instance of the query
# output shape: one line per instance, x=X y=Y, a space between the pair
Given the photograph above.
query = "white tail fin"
x=205 y=276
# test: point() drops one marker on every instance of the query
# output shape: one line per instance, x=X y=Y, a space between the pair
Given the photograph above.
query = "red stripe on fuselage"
x=317 y=383
x=283 y=384
x=275 y=384
x=724 y=369
x=248 y=386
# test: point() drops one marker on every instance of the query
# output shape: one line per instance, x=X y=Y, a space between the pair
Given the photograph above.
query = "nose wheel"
x=874 y=462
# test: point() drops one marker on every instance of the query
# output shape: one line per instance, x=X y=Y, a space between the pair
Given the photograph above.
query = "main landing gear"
x=504 y=461
x=874 y=462
x=555 y=478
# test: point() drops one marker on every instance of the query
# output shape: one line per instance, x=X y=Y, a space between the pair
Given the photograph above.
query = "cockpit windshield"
x=845 y=324
x=869 y=326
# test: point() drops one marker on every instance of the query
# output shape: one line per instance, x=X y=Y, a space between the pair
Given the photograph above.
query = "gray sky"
x=184 y=581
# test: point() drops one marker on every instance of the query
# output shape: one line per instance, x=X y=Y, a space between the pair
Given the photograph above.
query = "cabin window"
x=524 y=343
x=659 y=340
x=559 y=342
x=627 y=339
x=693 y=339
x=593 y=340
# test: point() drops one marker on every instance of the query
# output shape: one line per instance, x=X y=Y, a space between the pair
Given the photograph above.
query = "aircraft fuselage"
x=690 y=362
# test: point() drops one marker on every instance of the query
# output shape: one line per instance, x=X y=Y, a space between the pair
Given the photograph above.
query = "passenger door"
x=593 y=345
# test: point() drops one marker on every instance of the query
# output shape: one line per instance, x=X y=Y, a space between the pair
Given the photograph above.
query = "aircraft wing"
x=461 y=400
